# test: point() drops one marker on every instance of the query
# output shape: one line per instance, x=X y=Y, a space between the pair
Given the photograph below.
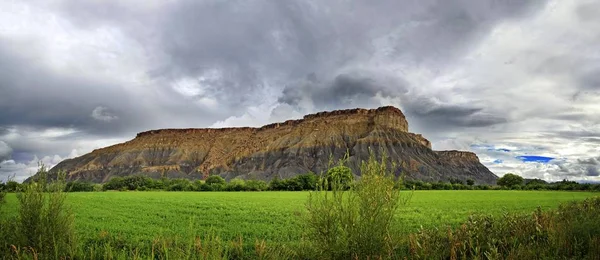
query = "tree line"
x=304 y=182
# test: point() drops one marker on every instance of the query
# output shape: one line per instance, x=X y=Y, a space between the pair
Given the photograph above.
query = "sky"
x=516 y=82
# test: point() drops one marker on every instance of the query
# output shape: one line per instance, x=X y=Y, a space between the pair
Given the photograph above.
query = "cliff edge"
x=280 y=149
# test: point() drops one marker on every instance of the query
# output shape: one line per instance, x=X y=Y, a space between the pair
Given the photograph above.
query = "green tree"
x=12 y=186
x=470 y=182
x=509 y=180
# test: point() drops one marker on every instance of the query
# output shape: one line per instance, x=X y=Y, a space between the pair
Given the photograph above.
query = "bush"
x=133 y=182
x=256 y=185
x=276 y=184
x=78 y=186
x=456 y=181
x=216 y=187
x=355 y=224
x=12 y=186
x=197 y=185
x=470 y=182
x=180 y=185
x=236 y=184
x=97 y=187
x=571 y=232
x=2 y=195
x=339 y=175
x=215 y=179
x=459 y=186
x=45 y=223
x=307 y=181
x=115 y=183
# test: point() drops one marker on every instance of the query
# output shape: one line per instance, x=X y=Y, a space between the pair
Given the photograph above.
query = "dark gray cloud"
x=593 y=171
x=589 y=161
x=33 y=96
x=432 y=114
x=344 y=91
x=251 y=43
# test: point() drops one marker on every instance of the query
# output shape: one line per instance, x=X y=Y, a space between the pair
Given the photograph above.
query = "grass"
x=136 y=218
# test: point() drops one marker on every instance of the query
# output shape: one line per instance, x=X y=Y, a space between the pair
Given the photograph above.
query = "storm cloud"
x=79 y=75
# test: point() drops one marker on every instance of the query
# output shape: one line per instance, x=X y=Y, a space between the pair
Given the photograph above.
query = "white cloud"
x=5 y=151
x=10 y=169
x=102 y=114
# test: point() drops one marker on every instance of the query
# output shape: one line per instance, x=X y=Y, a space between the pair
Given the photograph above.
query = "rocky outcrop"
x=281 y=149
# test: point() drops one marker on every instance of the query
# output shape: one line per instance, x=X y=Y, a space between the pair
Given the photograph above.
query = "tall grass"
x=44 y=227
x=355 y=223
x=570 y=232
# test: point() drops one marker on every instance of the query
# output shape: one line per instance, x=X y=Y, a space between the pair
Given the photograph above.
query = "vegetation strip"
x=43 y=222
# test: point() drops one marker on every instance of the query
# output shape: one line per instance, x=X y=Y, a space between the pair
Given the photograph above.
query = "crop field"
x=136 y=218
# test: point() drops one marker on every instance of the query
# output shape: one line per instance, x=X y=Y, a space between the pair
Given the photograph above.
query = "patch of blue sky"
x=498 y=161
x=535 y=158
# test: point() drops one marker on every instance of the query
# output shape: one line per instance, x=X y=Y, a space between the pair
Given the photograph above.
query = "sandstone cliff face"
x=281 y=149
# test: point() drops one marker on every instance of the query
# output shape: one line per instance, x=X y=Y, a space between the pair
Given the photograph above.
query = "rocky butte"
x=281 y=149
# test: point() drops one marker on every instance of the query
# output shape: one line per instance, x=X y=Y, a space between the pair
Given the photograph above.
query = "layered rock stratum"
x=281 y=149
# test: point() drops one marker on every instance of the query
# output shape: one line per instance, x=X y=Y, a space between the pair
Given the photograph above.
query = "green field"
x=138 y=217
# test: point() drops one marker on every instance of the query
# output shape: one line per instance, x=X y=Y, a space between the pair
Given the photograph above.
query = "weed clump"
x=571 y=232
x=44 y=227
x=355 y=223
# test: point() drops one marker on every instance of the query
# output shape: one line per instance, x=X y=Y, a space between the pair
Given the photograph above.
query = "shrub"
x=470 y=182
x=133 y=182
x=12 y=186
x=215 y=179
x=236 y=184
x=217 y=187
x=458 y=186
x=426 y=186
x=256 y=185
x=180 y=185
x=355 y=224
x=45 y=223
x=97 y=187
x=197 y=185
x=571 y=232
x=2 y=195
x=456 y=181
x=276 y=184
x=308 y=181
x=115 y=183
x=292 y=184
x=78 y=186
x=339 y=175
x=206 y=187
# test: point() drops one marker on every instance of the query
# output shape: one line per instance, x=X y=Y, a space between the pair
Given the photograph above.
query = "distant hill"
x=281 y=149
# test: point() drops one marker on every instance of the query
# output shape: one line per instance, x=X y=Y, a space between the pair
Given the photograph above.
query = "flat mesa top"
x=326 y=114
